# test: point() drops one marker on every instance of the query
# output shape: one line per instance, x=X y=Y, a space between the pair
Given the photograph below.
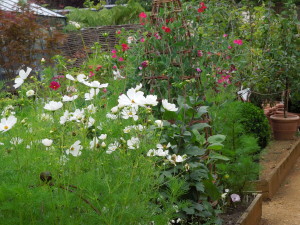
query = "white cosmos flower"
x=22 y=76
x=75 y=149
x=91 y=94
x=138 y=87
x=94 y=143
x=1 y=143
x=114 y=109
x=103 y=145
x=151 y=100
x=111 y=116
x=127 y=129
x=52 y=105
x=30 y=93
x=112 y=147
x=77 y=115
x=16 y=141
x=96 y=84
x=65 y=117
x=18 y=82
x=117 y=74
x=133 y=143
x=91 y=109
x=7 y=123
x=91 y=122
x=47 y=142
x=45 y=117
x=67 y=98
x=169 y=106
x=103 y=136
x=81 y=78
x=129 y=113
x=151 y=152
x=133 y=99
x=70 y=77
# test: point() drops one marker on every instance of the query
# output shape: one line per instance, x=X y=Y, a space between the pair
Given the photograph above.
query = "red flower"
x=54 y=85
x=124 y=47
x=167 y=30
x=202 y=7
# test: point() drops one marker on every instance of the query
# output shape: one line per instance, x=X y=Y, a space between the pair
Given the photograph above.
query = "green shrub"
x=255 y=123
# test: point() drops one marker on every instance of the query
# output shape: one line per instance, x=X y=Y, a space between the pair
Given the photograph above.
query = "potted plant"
x=284 y=58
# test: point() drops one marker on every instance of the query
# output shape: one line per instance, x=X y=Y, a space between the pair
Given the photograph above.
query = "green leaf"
x=200 y=187
x=216 y=138
x=211 y=190
x=215 y=146
x=194 y=150
x=202 y=110
x=200 y=126
x=198 y=137
x=214 y=155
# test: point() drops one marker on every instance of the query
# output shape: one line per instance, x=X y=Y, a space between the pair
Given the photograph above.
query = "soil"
x=284 y=207
x=273 y=154
x=234 y=214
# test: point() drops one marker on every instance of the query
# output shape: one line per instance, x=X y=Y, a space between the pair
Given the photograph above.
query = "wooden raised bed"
x=269 y=186
x=252 y=215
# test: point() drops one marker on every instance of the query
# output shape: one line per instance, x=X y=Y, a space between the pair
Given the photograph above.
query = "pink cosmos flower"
x=114 y=56
x=225 y=35
x=114 y=51
x=229 y=47
x=121 y=59
x=142 y=39
x=115 y=67
x=238 y=41
x=118 y=32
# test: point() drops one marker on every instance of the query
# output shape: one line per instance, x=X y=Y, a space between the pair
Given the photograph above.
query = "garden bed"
x=280 y=157
x=247 y=214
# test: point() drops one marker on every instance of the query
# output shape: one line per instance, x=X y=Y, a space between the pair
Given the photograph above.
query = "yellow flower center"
x=130 y=113
x=5 y=127
x=132 y=101
x=72 y=149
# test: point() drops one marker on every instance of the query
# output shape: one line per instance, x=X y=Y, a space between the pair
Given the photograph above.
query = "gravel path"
x=284 y=207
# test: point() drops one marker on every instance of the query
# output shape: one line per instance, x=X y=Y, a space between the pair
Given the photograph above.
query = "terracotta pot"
x=284 y=128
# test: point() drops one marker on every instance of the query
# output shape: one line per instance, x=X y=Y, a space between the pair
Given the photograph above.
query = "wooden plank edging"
x=253 y=213
x=269 y=186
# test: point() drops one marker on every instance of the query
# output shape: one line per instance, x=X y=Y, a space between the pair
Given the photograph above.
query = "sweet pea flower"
x=238 y=41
